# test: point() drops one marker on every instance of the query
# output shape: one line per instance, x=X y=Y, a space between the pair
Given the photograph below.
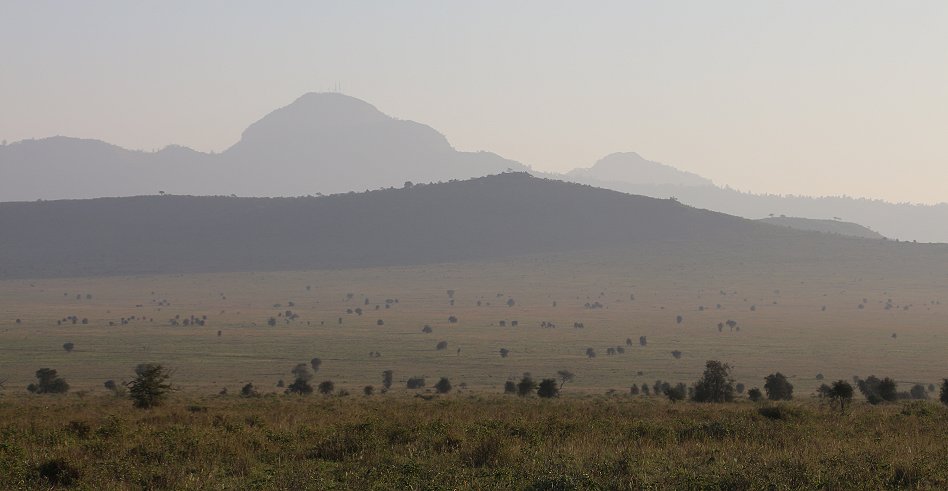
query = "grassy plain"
x=775 y=296
x=467 y=442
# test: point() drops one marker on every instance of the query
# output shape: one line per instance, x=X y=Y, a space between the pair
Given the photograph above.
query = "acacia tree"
x=300 y=385
x=716 y=385
x=565 y=376
x=150 y=386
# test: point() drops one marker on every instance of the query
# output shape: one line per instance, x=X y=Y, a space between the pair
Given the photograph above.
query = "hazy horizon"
x=803 y=99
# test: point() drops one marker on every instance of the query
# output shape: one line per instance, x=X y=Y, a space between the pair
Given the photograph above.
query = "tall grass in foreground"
x=461 y=442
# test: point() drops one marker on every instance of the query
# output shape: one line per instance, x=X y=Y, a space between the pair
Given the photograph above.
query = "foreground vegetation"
x=454 y=441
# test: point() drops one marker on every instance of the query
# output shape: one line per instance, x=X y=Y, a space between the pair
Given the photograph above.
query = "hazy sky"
x=779 y=96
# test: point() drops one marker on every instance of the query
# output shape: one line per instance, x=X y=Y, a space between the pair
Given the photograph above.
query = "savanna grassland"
x=837 y=316
x=467 y=442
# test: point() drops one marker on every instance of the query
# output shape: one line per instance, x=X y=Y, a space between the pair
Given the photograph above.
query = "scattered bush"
x=526 y=386
x=59 y=472
x=326 y=387
x=778 y=387
x=48 y=382
x=877 y=390
x=510 y=387
x=676 y=393
x=755 y=394
x=248 y=391
x=416 y=382
x=548 y=388
x=443 y=386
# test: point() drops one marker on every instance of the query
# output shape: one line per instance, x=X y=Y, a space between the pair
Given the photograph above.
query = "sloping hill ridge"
x=496 y=216
x=825 y=226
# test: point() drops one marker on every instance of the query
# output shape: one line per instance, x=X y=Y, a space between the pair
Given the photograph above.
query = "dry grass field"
x=467 y=442
x=776 y=298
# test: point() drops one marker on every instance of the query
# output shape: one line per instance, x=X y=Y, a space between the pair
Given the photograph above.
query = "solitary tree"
x=841 y=392
x=716 y=385
x=443 y=386
x=300 y=385
x=68 y=347
x=778 y=387
x=48 y=382
x=315 y=363
x=548 y=388
x=565 y=376
x=387 y=379
x=504 y=352
x=150 y=386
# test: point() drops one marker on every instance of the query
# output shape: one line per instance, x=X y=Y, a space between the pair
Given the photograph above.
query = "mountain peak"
x=314 y=112
x=630 y=167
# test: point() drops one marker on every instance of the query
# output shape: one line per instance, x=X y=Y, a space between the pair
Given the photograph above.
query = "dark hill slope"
x=496 y=216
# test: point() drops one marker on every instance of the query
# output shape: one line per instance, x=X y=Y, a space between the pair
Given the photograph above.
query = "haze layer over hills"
x=325 y=143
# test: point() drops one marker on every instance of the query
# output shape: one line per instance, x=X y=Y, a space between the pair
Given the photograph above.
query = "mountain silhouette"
x=321 y=143
x=328 y=143
x=631 y=168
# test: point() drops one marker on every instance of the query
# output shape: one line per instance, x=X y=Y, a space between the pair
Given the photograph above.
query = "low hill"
x=631 y=168
x=495 y=216
x=825 y=226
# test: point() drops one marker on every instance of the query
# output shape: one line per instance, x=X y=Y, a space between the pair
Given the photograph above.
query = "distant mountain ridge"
x=327 y=143
x=321 y=143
